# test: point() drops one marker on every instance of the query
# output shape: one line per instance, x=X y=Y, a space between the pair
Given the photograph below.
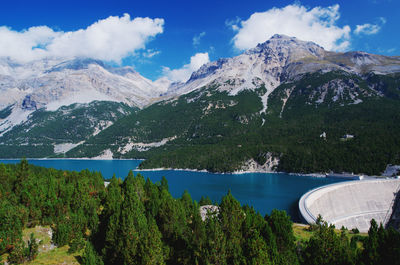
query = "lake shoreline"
x=77 y=158
x=265 y=191
x=237 y=172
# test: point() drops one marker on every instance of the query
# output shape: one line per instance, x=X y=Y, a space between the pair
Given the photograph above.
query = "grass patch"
x=57 y=256
x=46 y=255
x=302 y=233
x=43 y=233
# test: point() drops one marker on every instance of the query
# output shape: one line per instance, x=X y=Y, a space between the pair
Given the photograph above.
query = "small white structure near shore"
x=347 y=137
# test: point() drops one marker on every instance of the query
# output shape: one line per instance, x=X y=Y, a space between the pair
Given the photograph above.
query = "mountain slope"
x=285 y=105
x=282 y=59
x=47 y=133
x=53 y=83
x=209 y=129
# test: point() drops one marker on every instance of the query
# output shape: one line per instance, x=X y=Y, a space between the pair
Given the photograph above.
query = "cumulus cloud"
x=184 y=73
x=370 y=29
x=197 y=38
x=317 y=25
x=109 y=39
x=149 y=53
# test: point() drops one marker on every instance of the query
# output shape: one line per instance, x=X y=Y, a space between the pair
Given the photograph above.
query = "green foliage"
x=32 y=195
x=213 y=130
x=17 y=256
x=4 y=113
x=381 y=246
x=33 y=248
x=61 y=235
x=281 y=227
x=76 y=244
x=69 y=124
x=136 y=221
x=327 y=247
x=10 y=225
x=90 y=256
x=22 y=253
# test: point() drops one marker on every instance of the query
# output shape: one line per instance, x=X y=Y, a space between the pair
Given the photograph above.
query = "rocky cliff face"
x=278 y=77
x=283 y=59
x=53 y=83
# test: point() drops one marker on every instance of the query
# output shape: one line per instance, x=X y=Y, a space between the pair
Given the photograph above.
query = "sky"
x=171 y=39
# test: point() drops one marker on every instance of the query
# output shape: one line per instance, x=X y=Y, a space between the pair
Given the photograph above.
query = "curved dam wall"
x=351 y=204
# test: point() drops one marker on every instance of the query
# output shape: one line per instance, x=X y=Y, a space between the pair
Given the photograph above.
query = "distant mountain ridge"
x=247 y=109
x=53 y=83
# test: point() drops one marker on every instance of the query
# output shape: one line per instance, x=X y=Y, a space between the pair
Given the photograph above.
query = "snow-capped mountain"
x=85 y=108
x=52 y=83
x=282 y=59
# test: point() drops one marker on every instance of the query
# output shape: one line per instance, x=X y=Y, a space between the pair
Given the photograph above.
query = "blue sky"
x=201 y=30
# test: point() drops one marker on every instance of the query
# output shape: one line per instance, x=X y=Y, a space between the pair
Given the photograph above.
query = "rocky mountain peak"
x=266 y=63
x=289 y=48
x=75 y=64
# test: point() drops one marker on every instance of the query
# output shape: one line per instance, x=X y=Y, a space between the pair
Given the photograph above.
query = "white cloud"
x=370 y=29
x=367 y=29
x=197 y=38
x=184 y=73
x=233 y=23
x=317 y=25
x=110 y=39
x=149 y=53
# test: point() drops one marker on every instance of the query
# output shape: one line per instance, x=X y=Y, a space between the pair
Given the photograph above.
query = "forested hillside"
x=50 y=133
x=217 y=131
x=136 y=221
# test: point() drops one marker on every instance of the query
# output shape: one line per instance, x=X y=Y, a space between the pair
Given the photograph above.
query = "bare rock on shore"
x=269 y=166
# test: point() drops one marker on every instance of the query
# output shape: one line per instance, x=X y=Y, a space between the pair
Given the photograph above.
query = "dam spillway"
x=351 y=204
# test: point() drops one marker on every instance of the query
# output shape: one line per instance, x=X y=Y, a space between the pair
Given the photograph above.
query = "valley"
x=271 y=103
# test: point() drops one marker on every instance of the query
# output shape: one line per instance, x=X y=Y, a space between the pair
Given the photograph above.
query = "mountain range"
x=284 y=105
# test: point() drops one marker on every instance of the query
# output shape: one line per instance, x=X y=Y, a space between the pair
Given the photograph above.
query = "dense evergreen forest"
x=213 y=130
x=136 y=221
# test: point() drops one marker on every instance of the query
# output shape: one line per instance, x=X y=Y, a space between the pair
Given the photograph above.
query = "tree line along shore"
x=135 y=221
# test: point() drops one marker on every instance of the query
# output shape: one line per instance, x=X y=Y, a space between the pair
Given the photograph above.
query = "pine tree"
x=110 y=220
x=215 y=245
x=33 y=248
x=371 y=252
x=90 y=256
x=133 y=223
x=151 y=246
x=23 y=173
x=281 y=227
x=232 y=217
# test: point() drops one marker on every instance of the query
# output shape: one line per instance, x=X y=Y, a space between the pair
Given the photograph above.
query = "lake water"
x=263 y=191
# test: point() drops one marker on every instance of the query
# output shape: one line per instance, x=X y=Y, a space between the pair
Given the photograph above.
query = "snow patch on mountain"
x=63 y=148
x=53 y=83
x=281 y=59
x=16 y=117
x=84 y=96
x=141 y=147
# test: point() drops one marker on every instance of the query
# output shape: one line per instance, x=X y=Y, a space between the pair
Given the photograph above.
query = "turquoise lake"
x=263 y=191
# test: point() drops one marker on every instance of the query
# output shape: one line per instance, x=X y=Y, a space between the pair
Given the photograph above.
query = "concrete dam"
x=351 y=204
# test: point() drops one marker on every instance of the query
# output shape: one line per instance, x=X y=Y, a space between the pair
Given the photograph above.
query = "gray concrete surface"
x=351 y=204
